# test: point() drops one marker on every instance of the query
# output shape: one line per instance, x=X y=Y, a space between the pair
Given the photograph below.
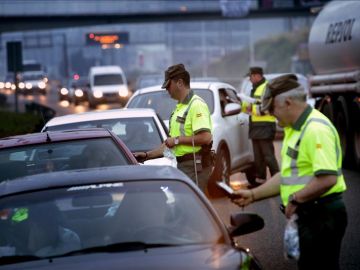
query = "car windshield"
x=57 y=221
x=163 y=104
x=138 y=133
x=59 y=156
x=108 y=79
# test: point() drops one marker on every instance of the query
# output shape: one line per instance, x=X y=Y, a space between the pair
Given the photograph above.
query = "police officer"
x=190 y=128
x=311 y=182
x=262 y=128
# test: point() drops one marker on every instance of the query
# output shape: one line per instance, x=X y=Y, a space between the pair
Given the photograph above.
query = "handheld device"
x=228 y=190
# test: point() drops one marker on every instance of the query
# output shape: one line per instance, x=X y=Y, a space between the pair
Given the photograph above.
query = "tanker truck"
x=334 y=51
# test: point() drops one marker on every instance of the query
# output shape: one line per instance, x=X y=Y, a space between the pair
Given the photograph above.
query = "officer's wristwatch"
x=176 y=141
x=292 y=199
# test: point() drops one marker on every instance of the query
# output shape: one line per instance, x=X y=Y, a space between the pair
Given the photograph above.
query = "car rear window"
x=59 y=156
x=138 y=133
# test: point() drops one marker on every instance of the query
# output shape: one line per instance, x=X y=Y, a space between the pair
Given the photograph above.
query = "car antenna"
x=48 y=139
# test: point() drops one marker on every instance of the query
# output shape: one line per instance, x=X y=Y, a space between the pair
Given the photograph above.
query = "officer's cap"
x=172 y=72
x=255 y=70
x=276 y=87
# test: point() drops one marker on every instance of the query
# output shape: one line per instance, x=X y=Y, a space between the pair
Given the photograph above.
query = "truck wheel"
x=344 y=130
x=357 y=148
x=356 y=135
x=328 y=110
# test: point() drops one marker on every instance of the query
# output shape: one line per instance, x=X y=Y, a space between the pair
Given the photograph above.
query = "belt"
x=324 y=200
x=185 y=157
x=318 y=202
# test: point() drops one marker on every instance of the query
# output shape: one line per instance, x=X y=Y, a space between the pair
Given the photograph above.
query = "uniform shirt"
x=317 y=153
x=198 y=119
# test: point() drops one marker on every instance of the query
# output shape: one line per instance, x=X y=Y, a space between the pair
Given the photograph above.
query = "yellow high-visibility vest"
x=310 y=147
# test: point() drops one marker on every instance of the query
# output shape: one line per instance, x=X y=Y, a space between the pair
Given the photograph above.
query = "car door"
x=237 y=127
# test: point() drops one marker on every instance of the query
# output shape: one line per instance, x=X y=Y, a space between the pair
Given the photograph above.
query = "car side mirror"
x=244 y=223
x=232 y=109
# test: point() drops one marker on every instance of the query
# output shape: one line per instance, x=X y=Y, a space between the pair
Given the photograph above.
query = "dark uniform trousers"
x=321 y=229
x=264 y=155
x=188 y=168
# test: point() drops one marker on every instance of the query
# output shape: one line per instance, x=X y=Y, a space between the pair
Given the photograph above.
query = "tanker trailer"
x=334 y=51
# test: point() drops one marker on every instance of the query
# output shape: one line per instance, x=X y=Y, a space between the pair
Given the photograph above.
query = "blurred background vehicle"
x=132 y=216
x=140 y=129
x=61 y=151
x=33 y=78
x=107 y=84
x=77 y=91
x=230 y=131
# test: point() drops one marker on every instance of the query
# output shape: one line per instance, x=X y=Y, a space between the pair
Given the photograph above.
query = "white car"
x=230 y=130
x=140 y=129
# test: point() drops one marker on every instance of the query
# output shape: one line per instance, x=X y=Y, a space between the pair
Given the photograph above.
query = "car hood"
x=182 y=257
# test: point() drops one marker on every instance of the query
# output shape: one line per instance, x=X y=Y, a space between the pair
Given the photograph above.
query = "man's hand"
x=243 y=197
x=140 y=156
x=170 y=142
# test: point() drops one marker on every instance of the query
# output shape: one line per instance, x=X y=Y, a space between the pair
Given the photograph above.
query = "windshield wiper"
x=18 y=259
x=117 y=247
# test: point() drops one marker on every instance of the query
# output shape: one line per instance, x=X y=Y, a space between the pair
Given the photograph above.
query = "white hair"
x=297 y=94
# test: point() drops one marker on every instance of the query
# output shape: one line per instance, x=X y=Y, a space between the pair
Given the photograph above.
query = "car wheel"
x=222 y=166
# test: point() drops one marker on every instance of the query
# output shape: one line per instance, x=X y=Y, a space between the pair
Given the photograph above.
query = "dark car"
x=61 y=150
x=125 y=217
x=77 y=91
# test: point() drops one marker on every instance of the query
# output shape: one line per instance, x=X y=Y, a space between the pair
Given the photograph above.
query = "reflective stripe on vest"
x=182 y=125
x=255 y=116
x=294 y=182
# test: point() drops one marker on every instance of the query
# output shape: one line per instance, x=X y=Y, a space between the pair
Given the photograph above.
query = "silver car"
x=230 y=127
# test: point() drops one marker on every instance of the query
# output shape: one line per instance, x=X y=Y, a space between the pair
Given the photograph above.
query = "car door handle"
x=241 y=123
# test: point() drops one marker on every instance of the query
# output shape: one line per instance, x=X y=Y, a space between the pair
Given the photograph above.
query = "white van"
x=107 y=84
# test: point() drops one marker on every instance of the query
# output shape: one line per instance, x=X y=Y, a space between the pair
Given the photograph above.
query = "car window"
x=59 y=156
x=138 y=133
x=163 y=104
x=108 y=79
x=57 y=221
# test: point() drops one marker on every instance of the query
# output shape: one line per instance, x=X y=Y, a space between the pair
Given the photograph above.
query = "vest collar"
x=301 y=120
x=187 y=98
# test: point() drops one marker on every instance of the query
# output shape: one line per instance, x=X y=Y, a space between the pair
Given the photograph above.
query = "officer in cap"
x=190 y=129
x=262 y=128
x=310 y=182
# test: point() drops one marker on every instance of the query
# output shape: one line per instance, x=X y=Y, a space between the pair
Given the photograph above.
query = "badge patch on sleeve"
x=198 y=114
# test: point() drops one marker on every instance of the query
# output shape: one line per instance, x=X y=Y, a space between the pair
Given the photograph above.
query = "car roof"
x=101 y=115
x=92 y=176
x=193 y=85
x=106 y=69
x=52 y=136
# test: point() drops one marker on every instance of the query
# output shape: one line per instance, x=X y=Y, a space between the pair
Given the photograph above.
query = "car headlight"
x=42 y=85
x=123 y=91
x=2 y=85
x=98 y=94
x=13 y=86
x=64 y=91
x=28 y=85
x=21 y=85
x=8 y=84
x=79 y=93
